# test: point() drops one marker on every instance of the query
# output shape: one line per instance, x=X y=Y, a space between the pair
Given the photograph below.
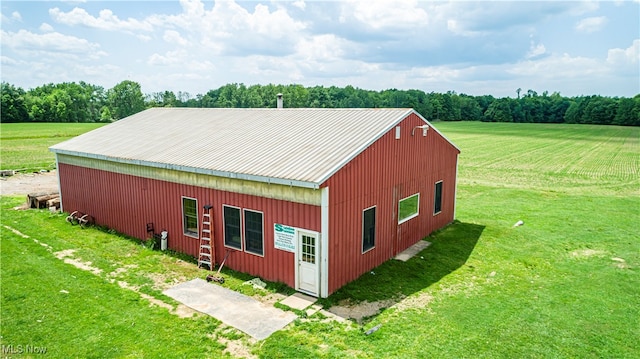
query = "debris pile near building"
x=49 y=200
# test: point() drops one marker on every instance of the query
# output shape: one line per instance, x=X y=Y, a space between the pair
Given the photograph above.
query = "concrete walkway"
x=232 y=308
x=412 y=251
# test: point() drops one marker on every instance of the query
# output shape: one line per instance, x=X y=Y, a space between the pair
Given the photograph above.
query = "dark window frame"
x=437 y=198
x=251 y=234
x=228 y=226
x=188 y=218
x=368 y=230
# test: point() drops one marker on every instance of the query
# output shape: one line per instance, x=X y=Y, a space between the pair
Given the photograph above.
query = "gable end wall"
x=384 y=173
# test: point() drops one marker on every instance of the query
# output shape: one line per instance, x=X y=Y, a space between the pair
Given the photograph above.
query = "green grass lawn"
x=24 y=146
x=563 y=285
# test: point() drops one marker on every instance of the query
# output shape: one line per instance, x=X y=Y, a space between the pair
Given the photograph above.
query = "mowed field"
x=564 y=158
x=24 y=145
x=565 y=284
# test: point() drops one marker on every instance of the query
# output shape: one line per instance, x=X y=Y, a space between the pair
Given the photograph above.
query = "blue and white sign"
x=284 y=237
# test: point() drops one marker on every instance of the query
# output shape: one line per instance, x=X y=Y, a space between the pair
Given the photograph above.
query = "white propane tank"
x=163 y=240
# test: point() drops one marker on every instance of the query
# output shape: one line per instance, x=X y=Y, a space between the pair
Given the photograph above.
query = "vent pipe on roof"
x=280 y=102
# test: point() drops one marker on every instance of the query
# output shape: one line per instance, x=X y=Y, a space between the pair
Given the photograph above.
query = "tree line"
x=83 y=102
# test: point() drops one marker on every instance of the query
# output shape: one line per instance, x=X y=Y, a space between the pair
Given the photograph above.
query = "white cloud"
x=98 y=70
x=228 y=28
x=300 y=4
x=105 y=21
x=434 y=74
x=322 y=48
x=630 y=55
x=584 y=7
x=591 y=24
x=44 y=27
x=15 y=16
x=536 y=51
x=173 y=37
x=53 y=42
x=558 y=66
x=457 y=28
x=9 y=61
x=170 y=58
x=385 y=14
x=144 y=38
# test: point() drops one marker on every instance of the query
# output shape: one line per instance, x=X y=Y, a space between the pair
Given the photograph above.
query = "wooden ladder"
x=207 y=254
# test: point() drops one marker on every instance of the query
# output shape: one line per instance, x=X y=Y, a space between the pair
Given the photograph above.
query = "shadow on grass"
x=393 y=280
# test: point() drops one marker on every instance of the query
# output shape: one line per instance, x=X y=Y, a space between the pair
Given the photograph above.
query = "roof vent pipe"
x=280 y=102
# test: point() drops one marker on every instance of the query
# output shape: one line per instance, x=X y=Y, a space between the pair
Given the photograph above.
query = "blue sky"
x=472 y=47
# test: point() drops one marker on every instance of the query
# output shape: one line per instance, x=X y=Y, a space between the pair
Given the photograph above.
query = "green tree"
x=319 y=97
x=162 y=99
x=575 y=110
x=105 y=115
x=125 y=99
x=13 y=107
x=600 y=110
x=628 y=112
x=499 y=111
x=558 y=108
x=470 y=110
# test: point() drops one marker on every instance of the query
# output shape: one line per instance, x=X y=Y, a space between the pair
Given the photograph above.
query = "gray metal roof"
x=293 y=146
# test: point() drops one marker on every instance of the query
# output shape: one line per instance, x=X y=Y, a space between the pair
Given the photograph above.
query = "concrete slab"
x=298 y=301
x=313 y=310
x=257 y=319
x=412 y=251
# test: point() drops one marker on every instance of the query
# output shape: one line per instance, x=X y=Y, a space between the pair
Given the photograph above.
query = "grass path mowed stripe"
x=73 y=313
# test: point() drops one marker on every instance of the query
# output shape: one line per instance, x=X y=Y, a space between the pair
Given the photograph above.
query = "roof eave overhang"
x=190 y=169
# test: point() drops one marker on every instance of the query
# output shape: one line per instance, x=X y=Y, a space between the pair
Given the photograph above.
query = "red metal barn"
x=309 y=197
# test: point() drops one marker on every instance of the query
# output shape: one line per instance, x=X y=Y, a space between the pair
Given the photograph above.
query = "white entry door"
x=308 y=263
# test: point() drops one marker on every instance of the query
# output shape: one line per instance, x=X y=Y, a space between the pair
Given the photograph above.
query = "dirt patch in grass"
x=419 y=301
x=586 y=253
x=360 y=311
x=25 y=183
x=180 y=310
x=363 y=310
x=236 y=348
x=163 y=282
x=620 y=263
x=122 y=270
x=67 y=256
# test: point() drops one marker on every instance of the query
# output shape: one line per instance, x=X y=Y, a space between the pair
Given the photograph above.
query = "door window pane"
x=308 y=249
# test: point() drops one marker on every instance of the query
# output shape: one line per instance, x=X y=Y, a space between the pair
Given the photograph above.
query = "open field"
x=564 y=284
x=24 y=146
x=567 y=158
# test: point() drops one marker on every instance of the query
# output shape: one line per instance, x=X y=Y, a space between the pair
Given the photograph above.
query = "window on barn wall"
x=437 y=198
x=368 y=228
x=408 y=208
x=253 y=232
x=232 y=227
x=190 y=216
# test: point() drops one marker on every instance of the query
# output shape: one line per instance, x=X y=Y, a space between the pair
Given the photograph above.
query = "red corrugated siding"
x=127 y=203
x=384 y=173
